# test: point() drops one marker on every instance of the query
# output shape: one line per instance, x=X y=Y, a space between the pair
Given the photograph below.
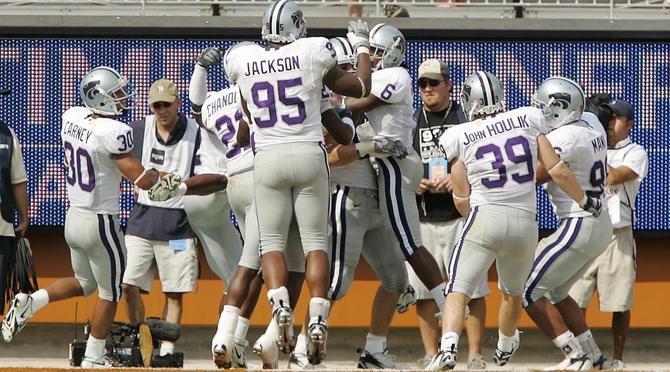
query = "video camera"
x=596 y=104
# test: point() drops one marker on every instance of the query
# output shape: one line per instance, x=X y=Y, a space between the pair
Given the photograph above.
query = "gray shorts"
x=240 y=195
x=97 y=252
x=359 y=227
x=440 y=238
x=209 y=216
x=497 y=233
x=612 y=274
x=398 y=180
x=564 y=256
x=177 y=265
x=291 y=180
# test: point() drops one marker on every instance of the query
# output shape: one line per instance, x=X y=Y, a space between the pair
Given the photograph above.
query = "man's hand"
x=21 y=228
x=592 y=205
x=359 y=36
x=382 y=147
x=209 y=56
x=443 y=184
x=424 y=186
x=167 y=188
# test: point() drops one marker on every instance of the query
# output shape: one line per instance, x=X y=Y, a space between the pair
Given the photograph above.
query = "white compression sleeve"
x=197 y=89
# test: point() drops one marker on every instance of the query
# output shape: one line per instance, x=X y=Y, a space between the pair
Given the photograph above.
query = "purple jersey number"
x=74 y=171
x=597 y=179
x=499 y=163
x=229 y=134
x=268 y=102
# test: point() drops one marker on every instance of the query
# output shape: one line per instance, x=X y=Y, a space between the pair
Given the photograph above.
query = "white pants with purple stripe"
x=398 y=180
x=562 y=257
x=97 y=252
x=497 y=233
x=359 y=228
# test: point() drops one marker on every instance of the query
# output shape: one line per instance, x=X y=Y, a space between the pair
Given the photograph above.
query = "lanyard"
x=436 y=139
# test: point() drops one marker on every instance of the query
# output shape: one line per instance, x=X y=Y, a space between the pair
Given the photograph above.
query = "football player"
x=389 y=109
x=493 y=160
x=97 y=154
x=561 y=258
x=280 y=92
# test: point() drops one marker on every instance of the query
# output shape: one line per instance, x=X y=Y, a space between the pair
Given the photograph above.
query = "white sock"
x=301 y=344
x=588 y=343
x=40 y=300
x=438 y=295
x=506 y=343
x=95 y=348
x=568 y=344
x=228 y=319
x=167 y=347
x=449 y=341
x=319 y=307
x=241 y=330
x=375 y=344
x=278 y=297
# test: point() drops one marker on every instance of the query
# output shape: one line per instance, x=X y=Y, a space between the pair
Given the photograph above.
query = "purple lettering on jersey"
x=282 y=85
x=270 y=104
x=499 y=163
x=597 y=179
x=272 y=66
x=71 y=176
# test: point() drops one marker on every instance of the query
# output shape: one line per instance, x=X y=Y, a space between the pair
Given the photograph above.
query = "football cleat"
x=500 y=357
x=601 y=362
x=616 y=364
x=317 y=334
x=239 y=356
x=222 y=347
x=580 y=363
x=443 y=360
x=19 y=312
x=382 y=360
x=283 y=317
x=406 y=300
x=102 y=363
x=476 y=363
x=266 y=349
x=300 y=361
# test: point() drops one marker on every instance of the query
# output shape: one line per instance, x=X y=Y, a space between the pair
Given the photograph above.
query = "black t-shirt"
x=434 y=207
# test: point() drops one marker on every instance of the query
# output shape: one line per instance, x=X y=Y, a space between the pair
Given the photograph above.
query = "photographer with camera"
x=613 y=272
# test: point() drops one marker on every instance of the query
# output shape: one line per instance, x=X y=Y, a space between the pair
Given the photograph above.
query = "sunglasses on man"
x=424 y=82
x=157 y=105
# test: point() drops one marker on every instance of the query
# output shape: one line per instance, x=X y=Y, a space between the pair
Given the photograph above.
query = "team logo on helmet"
x=466 y=92
x=91 y=89
x=297 y=18
x=562 y=99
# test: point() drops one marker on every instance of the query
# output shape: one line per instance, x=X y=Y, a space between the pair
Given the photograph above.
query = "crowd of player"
x=321 y=170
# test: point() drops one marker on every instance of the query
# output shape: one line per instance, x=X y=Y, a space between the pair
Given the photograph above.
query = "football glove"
x=168 y=187
x=209 y=56
x=382 y=147
x=591 y=205
x=359 y=36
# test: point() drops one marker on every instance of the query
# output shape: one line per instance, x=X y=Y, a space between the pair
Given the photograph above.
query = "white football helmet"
x=283 y=23
x=103 y=91
x=344 y=51
x=561 y=100
x=227 y=55
x=388 y=45
x=482 y=94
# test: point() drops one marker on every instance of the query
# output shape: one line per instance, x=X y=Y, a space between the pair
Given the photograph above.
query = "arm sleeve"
x=391 y=85
x=197 y=88
x=18 y=171
x=117 y=138
x=637 y=161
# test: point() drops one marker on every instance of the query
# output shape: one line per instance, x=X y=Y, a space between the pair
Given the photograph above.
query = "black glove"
x=593 y=206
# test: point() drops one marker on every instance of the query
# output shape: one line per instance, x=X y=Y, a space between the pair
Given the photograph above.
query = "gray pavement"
x=46 y=346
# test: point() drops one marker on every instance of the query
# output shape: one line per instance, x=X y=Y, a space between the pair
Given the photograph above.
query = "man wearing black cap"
x=613 y=272
x=441 y=223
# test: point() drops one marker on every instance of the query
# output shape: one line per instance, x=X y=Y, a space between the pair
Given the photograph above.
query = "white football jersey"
x=583 y=148
x=282 y=89
x=221 y=116
x=211 y=155
x=93 y=179
x=621 y=198
x=500 y=154
x=394 y=120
